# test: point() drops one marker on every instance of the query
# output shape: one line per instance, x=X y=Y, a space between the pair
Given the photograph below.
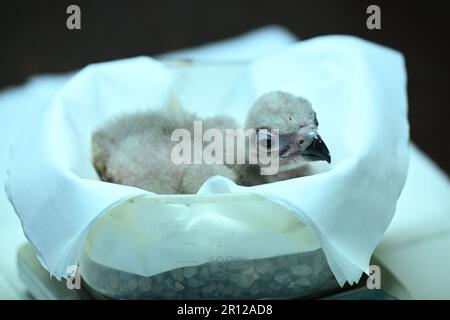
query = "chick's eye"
x=265 y=139
x=268 y=143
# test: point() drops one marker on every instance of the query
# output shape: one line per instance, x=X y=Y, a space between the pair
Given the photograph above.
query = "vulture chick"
x=136 y=149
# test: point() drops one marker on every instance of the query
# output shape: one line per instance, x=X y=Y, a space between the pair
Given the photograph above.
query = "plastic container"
x=219 y=275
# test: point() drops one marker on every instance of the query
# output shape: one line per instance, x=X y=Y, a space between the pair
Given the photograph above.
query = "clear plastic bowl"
x=112 y=269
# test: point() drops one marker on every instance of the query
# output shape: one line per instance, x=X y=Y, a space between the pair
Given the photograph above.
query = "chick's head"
x=296 y=138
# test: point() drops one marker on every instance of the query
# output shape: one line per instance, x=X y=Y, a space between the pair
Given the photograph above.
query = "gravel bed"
x=296 y=276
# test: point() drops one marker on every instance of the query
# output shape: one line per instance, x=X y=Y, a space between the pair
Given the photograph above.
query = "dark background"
x=34 y=39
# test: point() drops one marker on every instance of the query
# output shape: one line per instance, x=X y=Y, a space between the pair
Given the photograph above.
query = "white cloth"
x=19 y=104
x=415 y=247
x=357 y=88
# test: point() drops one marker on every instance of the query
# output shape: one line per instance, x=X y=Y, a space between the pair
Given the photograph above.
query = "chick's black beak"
x=317 y=151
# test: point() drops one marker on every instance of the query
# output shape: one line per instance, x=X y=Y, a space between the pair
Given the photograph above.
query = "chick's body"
x=136 y=149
